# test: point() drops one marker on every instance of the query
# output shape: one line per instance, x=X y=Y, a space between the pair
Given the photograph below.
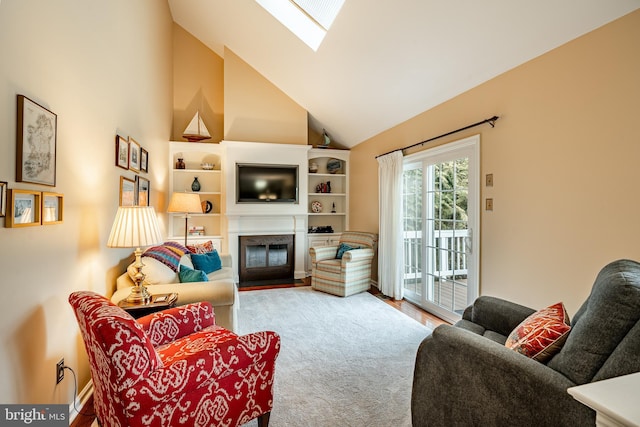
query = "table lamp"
x=185 y=203
x=135 y=227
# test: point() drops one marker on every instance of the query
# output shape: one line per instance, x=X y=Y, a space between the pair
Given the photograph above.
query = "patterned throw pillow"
x=344 y=248
x=188 y=275
x=542 y=334
x=201 y=248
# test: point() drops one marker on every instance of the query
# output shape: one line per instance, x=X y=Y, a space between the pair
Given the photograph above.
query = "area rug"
x=343 y=361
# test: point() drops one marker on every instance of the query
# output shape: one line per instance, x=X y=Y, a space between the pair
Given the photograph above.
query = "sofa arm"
x=357 y=255
x=496 y=314
x=168 y=325
x=227 y=260
x=321 y=253
x=462 y=379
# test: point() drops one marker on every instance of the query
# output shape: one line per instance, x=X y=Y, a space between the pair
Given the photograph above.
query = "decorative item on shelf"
x=313 y=167
x=196 y=130
x=180 y=164
x=326 y=140
x=196 y=230
x=186 y=203
x=195 y=185
x=207 y=166
x=207 y=206
x=321 y=229
x=135 y=227
x=316 y=206
x=334 y=165
x=323 y=187
x=333 y=208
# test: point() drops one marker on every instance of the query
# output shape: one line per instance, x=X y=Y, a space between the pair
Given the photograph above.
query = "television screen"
x=258 y=183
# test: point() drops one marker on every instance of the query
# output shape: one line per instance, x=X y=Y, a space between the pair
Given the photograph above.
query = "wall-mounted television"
x=266 y=183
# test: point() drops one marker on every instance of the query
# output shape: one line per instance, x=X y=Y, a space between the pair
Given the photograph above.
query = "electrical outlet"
x=60 y=371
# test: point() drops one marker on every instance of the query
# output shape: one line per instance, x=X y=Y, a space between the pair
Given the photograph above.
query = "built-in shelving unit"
x=334 y=210
x=194 y=155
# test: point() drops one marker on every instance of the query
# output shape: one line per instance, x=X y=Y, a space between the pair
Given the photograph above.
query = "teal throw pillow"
x=188 y=275
x=344 y=248
x=208 y=262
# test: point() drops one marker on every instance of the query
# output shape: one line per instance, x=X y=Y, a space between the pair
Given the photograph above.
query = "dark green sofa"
x=465 y=376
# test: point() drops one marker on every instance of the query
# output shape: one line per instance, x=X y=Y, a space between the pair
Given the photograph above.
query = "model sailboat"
x=196 y=131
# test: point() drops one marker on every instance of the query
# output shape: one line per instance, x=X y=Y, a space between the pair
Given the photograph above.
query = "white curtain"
x=390 y=247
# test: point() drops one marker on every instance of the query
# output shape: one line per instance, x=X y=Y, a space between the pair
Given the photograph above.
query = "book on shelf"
x=196 y=230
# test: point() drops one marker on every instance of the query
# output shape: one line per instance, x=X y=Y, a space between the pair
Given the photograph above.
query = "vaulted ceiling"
x=385 y=61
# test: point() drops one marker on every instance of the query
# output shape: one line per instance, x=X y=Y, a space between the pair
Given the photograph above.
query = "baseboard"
x=80 y=401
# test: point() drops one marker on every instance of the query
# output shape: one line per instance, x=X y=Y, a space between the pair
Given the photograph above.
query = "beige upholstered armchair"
x=345 y=269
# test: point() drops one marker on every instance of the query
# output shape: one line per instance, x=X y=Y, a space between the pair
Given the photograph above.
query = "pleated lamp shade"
x=135 y=227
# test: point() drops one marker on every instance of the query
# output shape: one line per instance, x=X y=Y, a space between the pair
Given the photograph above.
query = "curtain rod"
x=491 y=121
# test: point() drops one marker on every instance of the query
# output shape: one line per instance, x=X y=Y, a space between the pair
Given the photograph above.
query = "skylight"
x=309 y=20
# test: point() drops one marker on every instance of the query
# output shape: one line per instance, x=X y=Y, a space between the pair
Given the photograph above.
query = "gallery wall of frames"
x=36 y=141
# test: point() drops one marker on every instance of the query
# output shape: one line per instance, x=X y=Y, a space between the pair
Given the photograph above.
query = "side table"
x=615 y=400
x=158 y=302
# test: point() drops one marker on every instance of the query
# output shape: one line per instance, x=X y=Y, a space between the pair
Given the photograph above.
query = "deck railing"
x=450 y=253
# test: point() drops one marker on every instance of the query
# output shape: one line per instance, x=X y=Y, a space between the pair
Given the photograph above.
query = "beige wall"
x=198 y=85
x=104 y=68
x=256 y=110
x=564 y=156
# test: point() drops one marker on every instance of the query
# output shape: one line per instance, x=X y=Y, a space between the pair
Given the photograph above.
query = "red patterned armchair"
x=175 y=367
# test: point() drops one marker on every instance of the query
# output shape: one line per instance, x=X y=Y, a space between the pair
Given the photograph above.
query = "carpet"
x=343 y=361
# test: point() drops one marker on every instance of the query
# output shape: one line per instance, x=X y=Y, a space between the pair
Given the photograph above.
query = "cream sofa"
x=221 y=290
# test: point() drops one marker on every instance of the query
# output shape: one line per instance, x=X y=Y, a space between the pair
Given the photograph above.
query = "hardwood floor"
x=411 y=310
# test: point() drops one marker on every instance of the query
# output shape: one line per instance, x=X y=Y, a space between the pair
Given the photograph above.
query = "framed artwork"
x=142 y=191
x=122 y=152
x=36 y=143
x=134 y=155
x=23 y=208
x=52 y=204
x=127 y=192
x=3 y=198
x=144 y=160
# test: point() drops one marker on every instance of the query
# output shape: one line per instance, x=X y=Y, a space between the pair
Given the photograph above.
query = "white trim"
x=470 y=145
x=80 y=400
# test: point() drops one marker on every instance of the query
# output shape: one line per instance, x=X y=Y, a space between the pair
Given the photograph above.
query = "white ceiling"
x=385 y=61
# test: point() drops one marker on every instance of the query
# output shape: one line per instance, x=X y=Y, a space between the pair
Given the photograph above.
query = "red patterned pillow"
x=201 y=248
x=542 y=334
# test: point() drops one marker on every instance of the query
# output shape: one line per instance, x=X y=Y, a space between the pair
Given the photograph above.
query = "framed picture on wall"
x=127 y=192
x=36 y=143
x=52 y=204
x=144 y=160
x=3 y=198
x=134 y=155
x=142 y=191
x=122 y=152
x=23 y=208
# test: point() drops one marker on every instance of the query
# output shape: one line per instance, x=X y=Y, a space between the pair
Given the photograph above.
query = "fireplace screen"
x=265 y=258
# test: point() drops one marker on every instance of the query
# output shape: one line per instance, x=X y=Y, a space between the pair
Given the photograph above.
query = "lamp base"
x=138 y=295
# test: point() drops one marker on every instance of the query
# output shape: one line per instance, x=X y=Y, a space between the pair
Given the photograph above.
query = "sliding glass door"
x=441 y=224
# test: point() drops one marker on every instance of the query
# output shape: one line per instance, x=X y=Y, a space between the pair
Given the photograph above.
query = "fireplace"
x=265 y=259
